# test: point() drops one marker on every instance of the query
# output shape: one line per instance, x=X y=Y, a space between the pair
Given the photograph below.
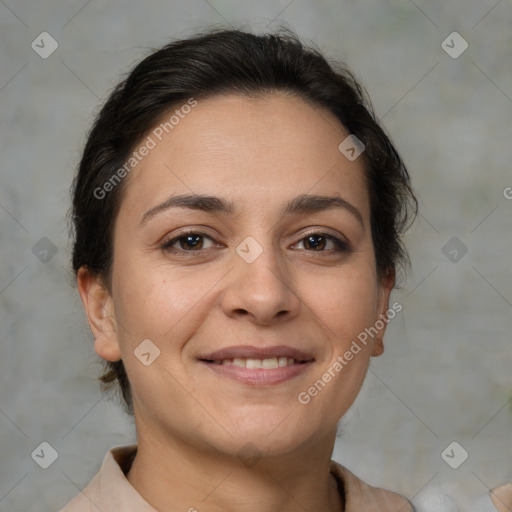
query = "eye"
x=194 y=242
x=318 y=242
x=188 y=242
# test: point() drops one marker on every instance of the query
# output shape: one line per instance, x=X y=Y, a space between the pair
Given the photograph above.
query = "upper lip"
x=251 y=352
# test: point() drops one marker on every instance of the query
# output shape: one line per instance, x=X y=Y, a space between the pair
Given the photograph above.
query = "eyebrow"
x=305 y=204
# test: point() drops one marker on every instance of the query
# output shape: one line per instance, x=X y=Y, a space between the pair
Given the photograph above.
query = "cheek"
x=153 y=305
x=345 y=304
x=158 y=302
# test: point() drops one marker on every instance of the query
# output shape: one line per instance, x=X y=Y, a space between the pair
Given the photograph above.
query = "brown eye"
x=186 y=242
x=317 y=242
x=190 y=242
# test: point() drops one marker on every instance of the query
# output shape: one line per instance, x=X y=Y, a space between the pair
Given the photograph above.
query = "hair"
x=213 y=63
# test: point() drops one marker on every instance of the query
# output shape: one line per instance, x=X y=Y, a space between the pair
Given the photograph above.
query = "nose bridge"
x=259 y=263
x=261 y=282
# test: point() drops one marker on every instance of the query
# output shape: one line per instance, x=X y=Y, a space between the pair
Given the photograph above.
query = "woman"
x=238 y=215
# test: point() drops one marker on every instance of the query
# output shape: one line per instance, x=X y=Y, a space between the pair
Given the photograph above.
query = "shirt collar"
x=110 y=490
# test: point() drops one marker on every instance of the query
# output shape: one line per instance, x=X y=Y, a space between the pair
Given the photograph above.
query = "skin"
x=502 y=498
x=191 y=422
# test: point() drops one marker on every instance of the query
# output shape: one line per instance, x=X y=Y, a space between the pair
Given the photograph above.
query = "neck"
x=175 y=476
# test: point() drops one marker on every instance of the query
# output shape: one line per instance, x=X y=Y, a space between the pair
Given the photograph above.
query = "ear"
x=386 y=285
x=99 y=308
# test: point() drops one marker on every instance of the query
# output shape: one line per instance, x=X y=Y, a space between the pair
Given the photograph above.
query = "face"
x=248 y=300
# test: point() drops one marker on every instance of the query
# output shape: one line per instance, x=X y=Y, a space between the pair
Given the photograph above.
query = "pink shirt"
x=110 y=491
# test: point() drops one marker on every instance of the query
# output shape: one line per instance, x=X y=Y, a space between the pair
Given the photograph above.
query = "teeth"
x=282 y=361
x=268 y=364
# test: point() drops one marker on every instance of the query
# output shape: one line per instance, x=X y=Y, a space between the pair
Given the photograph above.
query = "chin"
x=272 y=434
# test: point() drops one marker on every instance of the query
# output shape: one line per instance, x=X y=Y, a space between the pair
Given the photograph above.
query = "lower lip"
x=259 y=376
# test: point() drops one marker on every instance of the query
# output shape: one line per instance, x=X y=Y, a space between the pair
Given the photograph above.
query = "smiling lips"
x=258 y=366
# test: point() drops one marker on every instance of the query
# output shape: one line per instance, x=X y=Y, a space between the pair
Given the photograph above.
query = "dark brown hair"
x=229 y=61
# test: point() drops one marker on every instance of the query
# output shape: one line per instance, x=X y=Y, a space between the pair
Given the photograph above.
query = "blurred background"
x=435 y=412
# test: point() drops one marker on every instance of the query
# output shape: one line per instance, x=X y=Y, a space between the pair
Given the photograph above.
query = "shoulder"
x=361 y=496
x=109 y=490
x=86 y=500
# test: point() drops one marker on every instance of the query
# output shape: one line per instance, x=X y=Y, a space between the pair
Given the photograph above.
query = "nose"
x=261 y=289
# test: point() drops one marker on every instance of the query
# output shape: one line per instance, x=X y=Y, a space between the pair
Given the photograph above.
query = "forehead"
x=260 y=149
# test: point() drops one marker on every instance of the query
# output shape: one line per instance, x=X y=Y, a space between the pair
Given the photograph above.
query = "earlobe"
x=98 y=305
x=107 y=347
x=386 y=286
x=378 y=347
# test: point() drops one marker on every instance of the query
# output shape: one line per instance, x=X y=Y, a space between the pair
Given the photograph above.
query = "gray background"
x=445 y=374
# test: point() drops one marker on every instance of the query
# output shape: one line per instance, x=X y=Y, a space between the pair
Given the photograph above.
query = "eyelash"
x=340 y=246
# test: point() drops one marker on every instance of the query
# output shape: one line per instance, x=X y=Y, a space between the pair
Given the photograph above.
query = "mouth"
x=258 y=366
